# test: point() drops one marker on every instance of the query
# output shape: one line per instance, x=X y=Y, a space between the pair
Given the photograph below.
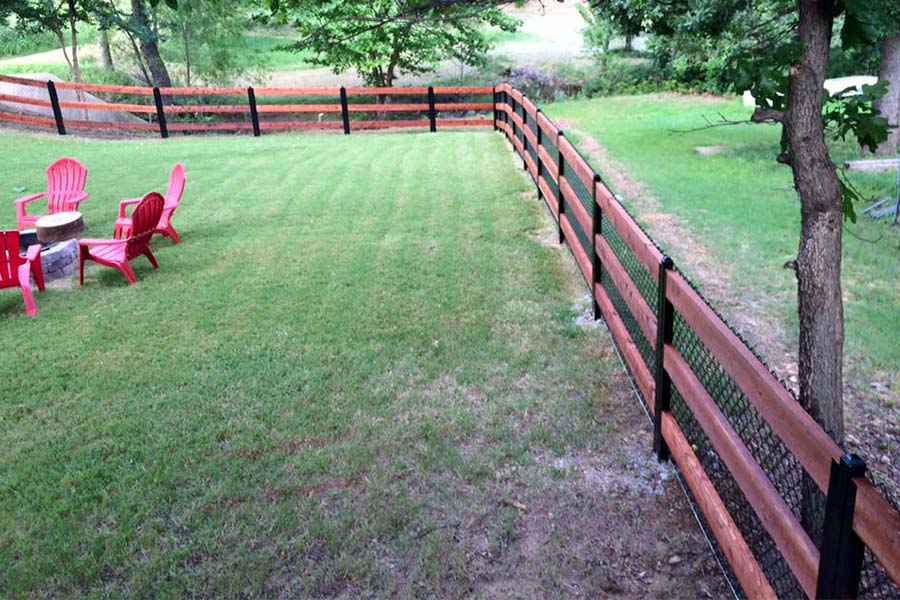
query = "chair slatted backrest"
x=9 y=258
x=176 y=187
x=65 y=178
x=144 y=220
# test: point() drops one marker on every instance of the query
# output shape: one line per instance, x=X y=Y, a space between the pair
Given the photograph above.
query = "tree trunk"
x=73 y=31
x=819 y=255
x=185 y=36
x=889 y=104
x=105 y=50
x=629 y=42
x=150 y=47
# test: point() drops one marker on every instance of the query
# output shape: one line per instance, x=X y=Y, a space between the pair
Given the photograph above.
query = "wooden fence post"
x=160 y=113
x=57 y=111
x=345 y=111
x=524 y=137
x=432 y=114
x=840 y=562
x=560 y=171
x=597 y=229
x=665 y=317
x=254 y=115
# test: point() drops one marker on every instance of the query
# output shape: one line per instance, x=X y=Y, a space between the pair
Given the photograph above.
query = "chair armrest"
x=98 y=242
x=124 y=204
x=34 y=253
x=26 y=199
x=79 y=197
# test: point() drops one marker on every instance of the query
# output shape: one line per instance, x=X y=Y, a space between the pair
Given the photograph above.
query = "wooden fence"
x=165 y=110
x=757 y=465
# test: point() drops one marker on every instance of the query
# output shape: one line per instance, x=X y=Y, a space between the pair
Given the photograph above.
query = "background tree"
x=381 y=39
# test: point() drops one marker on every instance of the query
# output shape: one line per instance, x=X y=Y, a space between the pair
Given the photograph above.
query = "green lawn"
x=362 y=345
x=739 y=206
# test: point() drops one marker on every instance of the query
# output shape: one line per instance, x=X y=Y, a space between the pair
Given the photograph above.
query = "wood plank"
x=470 y=90
x=464 y=123
x=574 y=206
x=642 y=312
x=550 y=165
x=299 y=125
x=633 y=236
x=233 y=126
x=530 y=135
x=549 y=128
x=627 y=348
x=274 y=91
x=516 y=95
x=203 y=91
x=530 y=108
x=28 y=119
x=110 y=106
x=81 y=124
x=386 y=107
x=205 y=108
x=798 y=431
x=791 y=540
x=575 y=163
x=24 y=81
x=732 y=543
x=450 y=106
x=25 y=100
x=581 y=257
x=112 y=89
x=296 y=108
x=877 y=523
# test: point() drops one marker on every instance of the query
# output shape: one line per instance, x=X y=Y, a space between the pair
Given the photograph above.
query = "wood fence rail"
x=237 y=109
x=713 y=401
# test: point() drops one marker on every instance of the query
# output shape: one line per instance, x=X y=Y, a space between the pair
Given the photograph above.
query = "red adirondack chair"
x=15 y=271
x=118 y=254
x=173 y=198
x=65 y=191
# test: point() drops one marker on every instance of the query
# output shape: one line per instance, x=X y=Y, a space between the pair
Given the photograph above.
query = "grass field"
x=739 y=206
x=359 y=367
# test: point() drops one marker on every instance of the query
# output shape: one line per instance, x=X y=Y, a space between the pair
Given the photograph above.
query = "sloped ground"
x=366 y=371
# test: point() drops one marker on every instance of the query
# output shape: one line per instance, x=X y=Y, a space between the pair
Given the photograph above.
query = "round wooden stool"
x=59 y=227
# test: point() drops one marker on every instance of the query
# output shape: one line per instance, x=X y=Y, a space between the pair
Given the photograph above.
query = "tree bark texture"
x=889 y=104
x=150 y=46
x=819 y=254
x=105 y=50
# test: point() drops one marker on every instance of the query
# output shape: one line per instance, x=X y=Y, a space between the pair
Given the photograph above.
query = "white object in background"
x=834 y=86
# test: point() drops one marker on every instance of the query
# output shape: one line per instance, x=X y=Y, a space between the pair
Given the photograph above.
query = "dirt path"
x=53 y=57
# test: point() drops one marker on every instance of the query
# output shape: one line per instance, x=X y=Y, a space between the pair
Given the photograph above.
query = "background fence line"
x=239 y=109
x=792 y=513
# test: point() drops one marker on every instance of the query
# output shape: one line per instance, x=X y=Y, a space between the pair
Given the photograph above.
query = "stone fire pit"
x=58 y=260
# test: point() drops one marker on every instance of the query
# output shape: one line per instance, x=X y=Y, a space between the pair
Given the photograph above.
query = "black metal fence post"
x=57 y=111
x=160 y=113
x=840 y=562
x=432 y=113
x=345 y=111
x=560 y=171
x=597 y=229
x=254 y=115
x=665 y=317
x=524 y=137
x=540 y=163
x=494 y=105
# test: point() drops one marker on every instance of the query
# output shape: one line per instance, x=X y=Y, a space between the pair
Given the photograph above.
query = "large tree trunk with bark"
x=818 y=264
x=889 y=104
x=150 y=46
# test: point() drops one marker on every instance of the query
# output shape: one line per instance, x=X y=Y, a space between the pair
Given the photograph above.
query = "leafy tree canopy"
x=382 y=39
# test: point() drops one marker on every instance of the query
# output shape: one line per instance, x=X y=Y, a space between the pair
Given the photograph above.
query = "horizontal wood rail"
x=238 y=109
x=873 y=518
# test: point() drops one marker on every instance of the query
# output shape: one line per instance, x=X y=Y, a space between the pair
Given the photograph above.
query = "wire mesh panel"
x=645 y=284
